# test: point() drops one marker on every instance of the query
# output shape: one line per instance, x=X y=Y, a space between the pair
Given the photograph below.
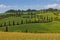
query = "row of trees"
x=27 y=21
x=19 y=13
x=40 y=20
x=14 y=11
x=31 y=10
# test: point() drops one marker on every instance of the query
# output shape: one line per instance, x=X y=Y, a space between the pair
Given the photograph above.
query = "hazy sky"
x=28 y=4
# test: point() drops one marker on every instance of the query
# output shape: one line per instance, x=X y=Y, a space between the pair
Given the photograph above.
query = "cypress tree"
x=0 y=25
x=9 y=23
x=5 y=24
x=6 y=29
x=21 y=21
x=13 y=23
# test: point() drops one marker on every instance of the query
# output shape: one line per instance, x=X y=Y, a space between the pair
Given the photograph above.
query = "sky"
x=28 y=4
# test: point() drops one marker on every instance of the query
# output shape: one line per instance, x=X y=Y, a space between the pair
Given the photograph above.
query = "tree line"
x=27 y=21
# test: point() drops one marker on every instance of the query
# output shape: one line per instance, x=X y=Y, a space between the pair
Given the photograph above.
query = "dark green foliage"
x=26 y=31
x=11 y=11
x=22 y=22
x=9 y=23
x=56 y=13
x=13 y=23
x=5 y=24
x=0 y=25
x=18 y=23
x=6 y=29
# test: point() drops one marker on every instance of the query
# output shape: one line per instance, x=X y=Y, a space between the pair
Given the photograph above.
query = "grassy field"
x=29 y=36
x=52 y=27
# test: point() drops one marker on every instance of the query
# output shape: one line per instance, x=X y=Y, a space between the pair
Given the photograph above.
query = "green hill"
x=30 y=21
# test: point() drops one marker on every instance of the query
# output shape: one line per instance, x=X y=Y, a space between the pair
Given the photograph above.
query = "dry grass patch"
x=29 y=36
